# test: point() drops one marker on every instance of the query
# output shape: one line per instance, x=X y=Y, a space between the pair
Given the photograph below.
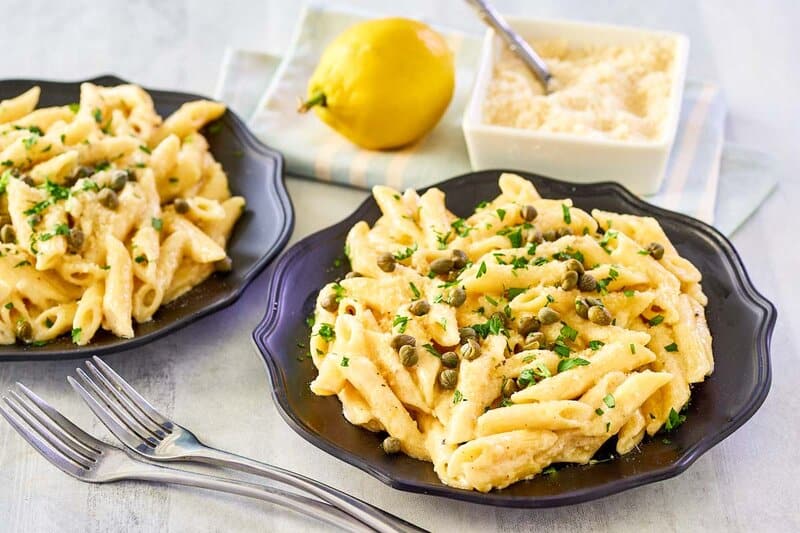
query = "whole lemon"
x=383 y=83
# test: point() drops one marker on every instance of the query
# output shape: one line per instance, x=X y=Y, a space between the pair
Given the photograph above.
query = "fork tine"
x=134 y=396
x=55 y=429
x=120 y=413
x=74 y=431
x=126 y=403
x=119 y=430
x=42 y=446
x=55 y=443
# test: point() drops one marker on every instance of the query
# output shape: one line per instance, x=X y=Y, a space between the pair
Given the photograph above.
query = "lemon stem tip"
x=319 y=99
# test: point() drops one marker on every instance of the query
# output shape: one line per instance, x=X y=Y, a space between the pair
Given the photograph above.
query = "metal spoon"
x=516 y=43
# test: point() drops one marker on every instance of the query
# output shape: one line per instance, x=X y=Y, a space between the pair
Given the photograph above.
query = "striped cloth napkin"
x=716 y=182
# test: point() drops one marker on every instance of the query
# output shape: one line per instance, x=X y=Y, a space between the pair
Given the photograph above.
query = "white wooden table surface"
x=209 y=377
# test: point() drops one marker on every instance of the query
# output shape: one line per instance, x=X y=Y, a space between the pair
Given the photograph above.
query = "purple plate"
x=740 y=319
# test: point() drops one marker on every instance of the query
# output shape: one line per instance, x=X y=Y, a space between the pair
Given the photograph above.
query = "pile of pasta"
x=509 y=406
x=107 y=212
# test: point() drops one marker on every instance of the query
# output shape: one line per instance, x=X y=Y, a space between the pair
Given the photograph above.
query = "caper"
x=582 y=307
x=528 y=212
x=534 y=235
x=450 y=359
x=224 y=265
x=548 y=315
x=419 y=308
x=408 y=355
x=448 y=378
x=442 y=265
x=75 y=240
x=108 y=199
x=27 y=180
x=118 y=180
x=457 y=297
x=386 y=262
x=574 y=265
x=353 y=274
x=549 y=235
x=34 y=220
x=181 y=206
x=563 y=232
x=528 y=324
x=398 y=341
x=7 y=234
x=570 y=280
x=24 y=330
x=599 y=315
x=500 y=317
x=467 y=333
x=534 y=341
x=83 y=172
x=656 y=250
x=329 y=302
x=594 y=301
x=470 y=350
x=509 y=387
x=587 y=283
x=460 y=259
x=391 y=445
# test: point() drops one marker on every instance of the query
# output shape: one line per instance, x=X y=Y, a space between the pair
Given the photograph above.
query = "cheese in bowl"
x=607 y=91
x=612 y=113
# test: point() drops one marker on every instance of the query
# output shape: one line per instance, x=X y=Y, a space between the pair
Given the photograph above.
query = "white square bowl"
x=638 y=165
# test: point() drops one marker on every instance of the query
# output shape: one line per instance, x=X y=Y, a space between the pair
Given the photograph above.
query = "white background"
x=215 y=383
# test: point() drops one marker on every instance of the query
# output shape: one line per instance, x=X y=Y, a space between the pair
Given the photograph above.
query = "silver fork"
x=89 y=459
x=145 y=431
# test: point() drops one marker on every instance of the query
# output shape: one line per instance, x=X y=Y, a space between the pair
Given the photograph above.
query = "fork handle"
x=300 y=504
x=372 y=516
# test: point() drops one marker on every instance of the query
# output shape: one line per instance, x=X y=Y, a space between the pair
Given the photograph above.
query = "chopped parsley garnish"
x=539 y=261
x=157 y=223
x=458 y=397
x=532 y=248
x=610 y=234
x=513 y=292
x=569 y=253
x=632 y=347
x=515 y=238
x=540 y=370
x=215 y=127
x=102 y=165
x=643 y=252
x=568 y=333
x=566 y=364
x=37 y=208
x=145 y=149
x=609 y=401
x=671 y=347
x=401 y=323
x=599 y=412
x=628 y=293
x=30 y=141
x=339 y=291
x=490 y=300
x=674 y=420
x=9 y=305
x=656 y=320
x=566 y=214
x=345 y=361
x=326 y=332
x=493 y=326
x=481 y=205
x=89 y=185
x=526 y=378
x=76 y=335
x=596 y=345
x=141 y=259
x=461 y=228
x=405 y=254
x=501 y=214
x=414 y=290
x=561 y=349
x=22 y=264
x=481 y=270
x=48 y=323
x=613 y=273
x=441 y=239
x=98 y=115
x=431 y=350
x=549 y=470
x=519 y=262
